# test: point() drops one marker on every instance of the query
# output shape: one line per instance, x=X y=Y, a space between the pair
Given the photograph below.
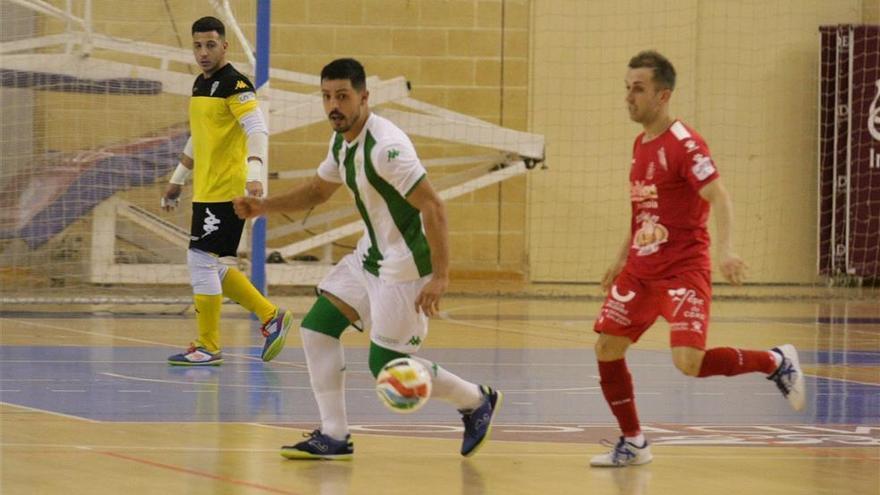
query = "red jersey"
x=669 y=234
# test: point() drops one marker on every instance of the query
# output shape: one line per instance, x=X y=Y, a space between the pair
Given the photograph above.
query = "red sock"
x=730 y=362
x=617 y=387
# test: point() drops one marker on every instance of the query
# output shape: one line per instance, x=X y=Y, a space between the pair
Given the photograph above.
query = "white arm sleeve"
x=257 y=142
x=188 y=148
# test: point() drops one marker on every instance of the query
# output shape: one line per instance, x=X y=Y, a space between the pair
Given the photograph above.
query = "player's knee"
x=688 y=360
x=380 y=356
x=610 y=347
x=325 y=318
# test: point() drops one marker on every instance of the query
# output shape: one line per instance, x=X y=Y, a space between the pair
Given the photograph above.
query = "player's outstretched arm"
x=732 y=267
x=433 y=211
x=302 y=197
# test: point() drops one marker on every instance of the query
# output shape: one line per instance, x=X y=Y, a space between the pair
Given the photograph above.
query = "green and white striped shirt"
x=380 y=168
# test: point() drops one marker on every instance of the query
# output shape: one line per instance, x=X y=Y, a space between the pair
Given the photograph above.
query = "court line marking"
x=140 y=341
x=761 y=452
x=303 y=387
x=201 y=474
x=53 y=413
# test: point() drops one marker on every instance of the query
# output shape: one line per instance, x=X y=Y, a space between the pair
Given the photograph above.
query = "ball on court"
x=404 y=385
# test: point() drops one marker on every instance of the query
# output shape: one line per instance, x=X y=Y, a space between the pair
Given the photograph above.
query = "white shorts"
x=387 y=309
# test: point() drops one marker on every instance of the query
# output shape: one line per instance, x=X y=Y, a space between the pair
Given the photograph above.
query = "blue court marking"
x=579 y=317
x=541 y=386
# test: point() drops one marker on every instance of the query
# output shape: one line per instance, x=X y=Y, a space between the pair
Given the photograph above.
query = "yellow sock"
x=208 y=320
x=238 y=288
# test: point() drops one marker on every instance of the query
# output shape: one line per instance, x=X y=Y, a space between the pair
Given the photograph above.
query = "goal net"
x=748 y=82
x=94 y=101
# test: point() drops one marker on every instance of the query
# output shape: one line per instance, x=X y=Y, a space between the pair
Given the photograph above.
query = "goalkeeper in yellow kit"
x=224 y=156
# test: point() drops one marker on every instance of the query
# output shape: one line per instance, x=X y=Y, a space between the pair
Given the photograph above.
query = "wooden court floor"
x=88 y=406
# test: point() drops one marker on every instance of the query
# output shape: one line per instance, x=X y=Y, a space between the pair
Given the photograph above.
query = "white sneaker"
x=623 y=454
x=789 y=378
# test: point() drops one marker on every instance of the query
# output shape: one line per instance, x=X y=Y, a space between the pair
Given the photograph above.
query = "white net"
x=94 y=102
x=849 y=153
x=98 y=94
x=747 y=81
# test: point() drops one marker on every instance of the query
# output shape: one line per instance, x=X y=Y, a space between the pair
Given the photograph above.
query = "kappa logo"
x=415 y=340
x=211 y=224
x=241 y=85
x=392 y=154
x=624 y=298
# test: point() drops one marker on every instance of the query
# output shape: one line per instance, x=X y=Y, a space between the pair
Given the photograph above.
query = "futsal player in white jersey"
x=393 y=281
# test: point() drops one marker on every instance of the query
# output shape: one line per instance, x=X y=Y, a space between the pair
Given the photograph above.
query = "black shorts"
x=215 y=229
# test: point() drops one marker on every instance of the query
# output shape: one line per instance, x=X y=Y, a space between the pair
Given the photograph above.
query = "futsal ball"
x=404 y=385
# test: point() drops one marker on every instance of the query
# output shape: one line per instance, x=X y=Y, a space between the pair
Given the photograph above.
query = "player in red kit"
x=664 y=269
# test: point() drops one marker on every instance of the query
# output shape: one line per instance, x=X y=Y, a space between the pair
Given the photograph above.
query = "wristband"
x=254 y=170
x=180 y=175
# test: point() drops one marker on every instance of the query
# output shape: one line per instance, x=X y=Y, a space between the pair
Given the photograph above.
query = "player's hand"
x=428 y=302
x=249 y=207
x=733 y=268
x=254 y=189
x=610 y=275
x=171 y=198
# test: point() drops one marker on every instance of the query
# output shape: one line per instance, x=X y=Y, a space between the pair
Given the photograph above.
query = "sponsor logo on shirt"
x=650 y=235
x=246 y=97
x=639 y=191
x=703 y=168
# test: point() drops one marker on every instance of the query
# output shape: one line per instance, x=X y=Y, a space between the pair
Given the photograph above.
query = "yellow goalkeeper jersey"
x=219 y=142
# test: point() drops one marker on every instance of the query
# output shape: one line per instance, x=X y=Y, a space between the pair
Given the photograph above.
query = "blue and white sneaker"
x=789 y=378
x=196 y=356
x=478 y=422
x=275 y=331
x=320 y=446
x=623 y=454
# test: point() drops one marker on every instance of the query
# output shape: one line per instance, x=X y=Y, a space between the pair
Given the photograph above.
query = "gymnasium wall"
x=747 y=82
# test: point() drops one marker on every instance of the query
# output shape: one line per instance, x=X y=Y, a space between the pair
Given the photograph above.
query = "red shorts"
x=683 y=300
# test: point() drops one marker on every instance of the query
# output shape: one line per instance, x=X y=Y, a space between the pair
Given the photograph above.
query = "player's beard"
x=344 y=124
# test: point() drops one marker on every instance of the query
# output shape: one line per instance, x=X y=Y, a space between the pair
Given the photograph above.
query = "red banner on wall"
x=849 y=151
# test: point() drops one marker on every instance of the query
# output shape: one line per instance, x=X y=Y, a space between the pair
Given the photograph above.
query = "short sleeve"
x=242 y=103
x=697 y=166
x=329 y=169
x=398 y=164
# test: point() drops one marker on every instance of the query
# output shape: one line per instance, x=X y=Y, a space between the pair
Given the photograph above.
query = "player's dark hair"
x=207 y=24
x=664 y=72
x=346 y=68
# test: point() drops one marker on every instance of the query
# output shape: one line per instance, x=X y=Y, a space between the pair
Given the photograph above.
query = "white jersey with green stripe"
x=380 y=168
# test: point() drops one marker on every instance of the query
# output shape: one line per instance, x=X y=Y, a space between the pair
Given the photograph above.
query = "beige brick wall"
x=469 y=56
x=746 y=81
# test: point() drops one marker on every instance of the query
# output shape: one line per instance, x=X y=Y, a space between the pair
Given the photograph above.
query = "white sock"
x=777 y=358
x=326 y=361
x=463 y=394
x=638 y=440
